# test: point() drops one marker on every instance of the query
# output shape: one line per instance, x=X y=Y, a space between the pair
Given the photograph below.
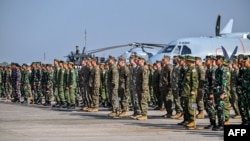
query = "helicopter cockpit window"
x=177 y=50
x=186 y=50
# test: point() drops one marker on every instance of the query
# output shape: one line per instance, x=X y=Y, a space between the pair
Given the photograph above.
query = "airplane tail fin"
x=228 y=28
x=226 y=54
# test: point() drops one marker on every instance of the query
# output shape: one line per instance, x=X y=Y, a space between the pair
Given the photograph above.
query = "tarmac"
x=22 y=122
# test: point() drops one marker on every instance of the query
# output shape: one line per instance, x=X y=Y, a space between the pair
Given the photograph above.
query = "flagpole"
x=85 y=38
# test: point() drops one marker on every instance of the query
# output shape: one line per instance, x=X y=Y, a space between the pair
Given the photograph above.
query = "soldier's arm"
x=144 y=79
x=194 y=81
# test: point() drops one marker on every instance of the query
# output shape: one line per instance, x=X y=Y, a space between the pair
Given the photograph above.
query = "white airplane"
x=224 y=43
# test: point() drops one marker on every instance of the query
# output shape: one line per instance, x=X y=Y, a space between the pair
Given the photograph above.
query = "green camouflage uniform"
x=220 y=87
x=165 y=85
x=233 y=92
x=190 y=84
x=25 y=84
x=72 y=86
x=49 y=86
x=156 y=88
x=175 y=88
x=200 y=95
x=123 y=89
x=113 y=78
x=142 y=89
x=94 y=84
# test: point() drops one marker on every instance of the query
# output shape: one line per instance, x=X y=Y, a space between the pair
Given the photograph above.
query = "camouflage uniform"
x=156 y=88
x=226 y=99
x=142 y=90
x=25 y=83
x=132 y=87
x=220 y=88
x=60 y=84
x=233 y=92
x=209 y=90
x=15 y=81
x=165 y=85
x=175 y=90
x=200 y=95
x=113 y=82
x=49 y=85
x=190 y=86
x=94 y=84
x=123 y=88
x=246 y=88
x=241 y=95
x=72 y=82
x=103 y=87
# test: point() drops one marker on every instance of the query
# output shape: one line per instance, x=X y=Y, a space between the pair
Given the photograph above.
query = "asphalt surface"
x=22 y=122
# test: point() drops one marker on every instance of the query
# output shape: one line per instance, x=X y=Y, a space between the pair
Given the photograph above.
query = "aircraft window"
x=186 y=50
x=168 y=49
x=177 y=50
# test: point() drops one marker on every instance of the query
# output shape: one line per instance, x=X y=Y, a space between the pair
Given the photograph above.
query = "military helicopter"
x=145 y=50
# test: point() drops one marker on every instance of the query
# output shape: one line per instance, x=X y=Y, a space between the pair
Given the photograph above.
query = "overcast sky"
x=31 y=28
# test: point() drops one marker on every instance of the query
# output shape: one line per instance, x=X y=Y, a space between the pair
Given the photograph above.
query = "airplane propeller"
x=226 y=54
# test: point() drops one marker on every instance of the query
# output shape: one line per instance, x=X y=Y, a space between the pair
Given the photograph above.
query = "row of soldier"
x=213 y=86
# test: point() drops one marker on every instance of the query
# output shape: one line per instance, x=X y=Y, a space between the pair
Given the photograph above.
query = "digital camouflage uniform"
x=25 y=84
x=246 y=88
x=142 y=89
x=156 y=88
x=123 y=89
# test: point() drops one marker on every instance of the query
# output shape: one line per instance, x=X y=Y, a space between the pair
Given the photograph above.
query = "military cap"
x=157 y=61
x=141 y=58
x=26 y=65
x=241 y=56
x=181 y=57
x=70 y=63
x=94 y=59
x=190 y=58
x=111 y=57
x=121 y=58
x=17 y=65
x=166 y=56
x=132 y=56
x=197 y=58
x=49 y=65
x=57 y=60
x=208 y=57
x=226 y=62
x=246 y=57
x=219 y=57
x=61 y=61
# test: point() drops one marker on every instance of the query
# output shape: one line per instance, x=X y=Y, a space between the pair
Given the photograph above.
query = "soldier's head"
x=247 y=61
x=158 y=64
x=121 y=61
x=61 y=63
x=132 y=59
x=176 y=60
x=83 y=62
x=56 y=62
x=166 y=59
x=209 y=60
x=94 y=61
x=111 y=60
x=182 y=60
x=241 y=59
x=219 y=60
x=70 y=65
x=198 y=61
x=190 y=60
x=142 y=61
x=65 y=65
